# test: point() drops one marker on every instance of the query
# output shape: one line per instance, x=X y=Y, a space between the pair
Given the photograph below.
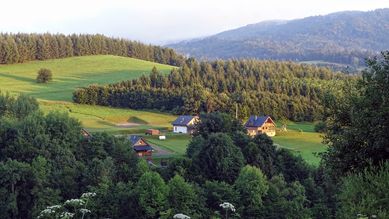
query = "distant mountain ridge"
x=342 y=37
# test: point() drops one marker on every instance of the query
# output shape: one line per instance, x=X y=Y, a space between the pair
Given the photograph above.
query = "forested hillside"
x=279 y=89
x=343 y=37
x=17 y=48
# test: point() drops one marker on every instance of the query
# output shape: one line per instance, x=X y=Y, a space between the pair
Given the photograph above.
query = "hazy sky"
x=160 y=21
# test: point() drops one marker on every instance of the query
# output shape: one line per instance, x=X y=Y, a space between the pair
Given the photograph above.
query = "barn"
x=140 y=146
x=260 y=125
x=185 y=124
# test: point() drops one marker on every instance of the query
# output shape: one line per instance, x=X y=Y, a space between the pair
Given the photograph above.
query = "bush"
x=365 y=193
x=44 y=75
x=320 y=126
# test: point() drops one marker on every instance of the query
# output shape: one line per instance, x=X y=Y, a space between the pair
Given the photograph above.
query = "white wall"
x=180 y=129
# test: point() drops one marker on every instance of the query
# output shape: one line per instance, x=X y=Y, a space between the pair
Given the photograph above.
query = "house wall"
x=180 y=129
x=269 y=129
x=252 y=131
x=144 y=153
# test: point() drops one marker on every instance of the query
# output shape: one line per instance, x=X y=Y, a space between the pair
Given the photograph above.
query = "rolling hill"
x=70 y=73
x=338 y=38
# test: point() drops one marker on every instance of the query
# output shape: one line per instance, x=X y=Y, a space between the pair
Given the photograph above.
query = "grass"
x=70 y=73
x=176 y=143
x=100 y=118
x=303 y=140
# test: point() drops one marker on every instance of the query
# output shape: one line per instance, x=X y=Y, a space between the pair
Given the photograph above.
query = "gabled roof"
x=134 y=138
x=143 y=148
x=183 y=120
x=257 y=121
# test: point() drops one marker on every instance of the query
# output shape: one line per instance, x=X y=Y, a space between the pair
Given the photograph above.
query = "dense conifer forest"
x=279 y=89
x=17 y=48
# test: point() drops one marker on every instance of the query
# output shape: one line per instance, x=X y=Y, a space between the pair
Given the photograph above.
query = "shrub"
x=320 y=126
x=44 y=75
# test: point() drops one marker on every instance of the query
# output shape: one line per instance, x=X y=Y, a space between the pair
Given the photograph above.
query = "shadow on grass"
x=18 y=78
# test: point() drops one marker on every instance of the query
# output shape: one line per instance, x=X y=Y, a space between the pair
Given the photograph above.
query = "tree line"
x=21 y=47
x=279 y=89
x=45 y=161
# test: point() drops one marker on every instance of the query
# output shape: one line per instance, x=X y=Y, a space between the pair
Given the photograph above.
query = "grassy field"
x=99 y=118
x=176 y=143
x=70 y=73
x=301 y=139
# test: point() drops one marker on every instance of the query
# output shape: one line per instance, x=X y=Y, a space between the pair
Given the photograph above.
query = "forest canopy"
x=279 y=89
x=21 y=47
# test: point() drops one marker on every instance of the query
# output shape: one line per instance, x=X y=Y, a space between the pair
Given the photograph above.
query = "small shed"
x=152 y=132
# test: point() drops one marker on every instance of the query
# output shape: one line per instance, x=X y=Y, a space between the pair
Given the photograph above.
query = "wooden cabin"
x=185 y=124
x=260 y=125
x=152 y=132
x=140 y=146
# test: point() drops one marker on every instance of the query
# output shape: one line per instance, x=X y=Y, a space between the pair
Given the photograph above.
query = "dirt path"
x=127 y=125
x=160 y=152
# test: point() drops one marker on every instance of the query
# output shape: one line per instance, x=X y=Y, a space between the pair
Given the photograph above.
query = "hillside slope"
x=70 y=73
x=343 y=37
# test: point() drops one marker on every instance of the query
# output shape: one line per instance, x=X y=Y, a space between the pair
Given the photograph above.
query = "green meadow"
x=115 y=120
x=301 y=139
x=70 y=73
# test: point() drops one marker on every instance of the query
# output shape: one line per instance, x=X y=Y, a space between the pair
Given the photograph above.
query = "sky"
x=160 y=21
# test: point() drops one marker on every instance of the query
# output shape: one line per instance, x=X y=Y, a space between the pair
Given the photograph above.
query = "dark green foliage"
x=194 y=146
x=320 y=126
x=251 y=187
x=218 y=192
x=357 y=130
x=282 y=90
x=218 y=159
x=17 y=48
x=18 y=107
x=261 y=152
x=152 y=194
x=182 y=197
x=218 y=122
x=44 y=75
x=288 y=199
x=14 y=189
x=44 y=159
x=365 y=193
x=292 y=167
